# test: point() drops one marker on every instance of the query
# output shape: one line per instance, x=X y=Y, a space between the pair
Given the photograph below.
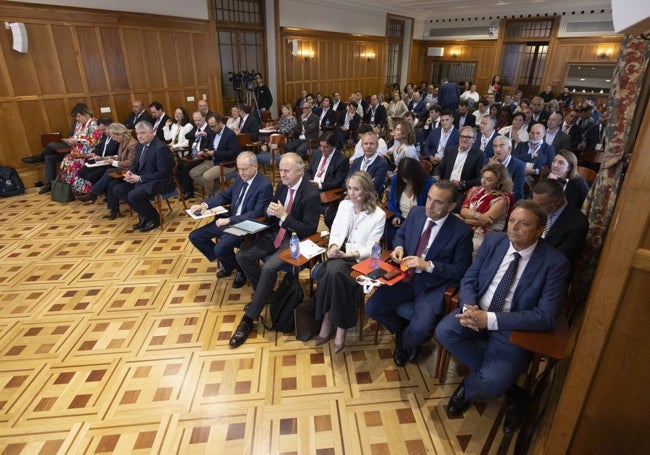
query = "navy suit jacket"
x=489 y=151
x=470 y=120
x=156 y=168
x=305 y=211
x=160 y=134
x=228 y=147
x=205 y=140
x=539 y=293
x=448 y=96
x=450 y=251
x=102 y=149
x=377 y=170
x=517 y=170
x=131 y=121
x=256 y=201
x=329 y=119
x=545 y=155
x=337 y=169
x=380 y=115
x=393 y=197
x=433 y=139
x=568 y=232
x=419 y=108
x=576 y=191
x=471 y=173
x=251 y=126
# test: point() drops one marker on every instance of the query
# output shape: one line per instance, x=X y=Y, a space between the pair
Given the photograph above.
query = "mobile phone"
x=376 y=274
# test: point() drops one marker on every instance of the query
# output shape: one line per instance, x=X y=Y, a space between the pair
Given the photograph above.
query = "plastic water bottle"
x=375 y=256
x=294 y=246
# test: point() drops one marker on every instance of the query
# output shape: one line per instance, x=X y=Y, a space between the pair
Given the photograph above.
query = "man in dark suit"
x=151 y=173
x=327 y=117
x=223 y=147
x=339 y=106
x=441 y=138
x=418 y=105
x=486 y=137
x=571 y=127
x=517 y=282
x=248 y=124
x=516 y=168
x=300 y=101
x=566 y=228
x=376 y=114
x=371 y=162
x=555 y=137
x=461 y=165
x=595 y=135
x=328 y=166
x=307 y=128
x=436 y=246
x=138 y=113
x=294 y=208
x=199 y=139
x=248 y=197
x=158 y=119
x=540 y=115
x=463 y=117
x=448 y=95
x=536 y=153
x=348 y=125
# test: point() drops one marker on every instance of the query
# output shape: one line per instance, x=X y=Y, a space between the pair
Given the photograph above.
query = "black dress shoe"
x=188 y=194
x=223 y=274
x=138 y=225
x=414 y=353
x=515 y=411
x=457 y=403
x=149 y=226
x=241 y=334
x=31 y=159
x=88 y=197
x=240 y=280
x=45 y=189
x=114 y=214
x=400 y=356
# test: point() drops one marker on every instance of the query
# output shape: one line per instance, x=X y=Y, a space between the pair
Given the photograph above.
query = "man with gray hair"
x=516 y=168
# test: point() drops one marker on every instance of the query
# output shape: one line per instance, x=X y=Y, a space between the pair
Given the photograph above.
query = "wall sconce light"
x=307 y=54
x=368 y=55
x=604 y=52
x=454 y=53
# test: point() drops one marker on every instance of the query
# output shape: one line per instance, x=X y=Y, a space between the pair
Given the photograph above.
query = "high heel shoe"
x=322 y=340
x=338 y=347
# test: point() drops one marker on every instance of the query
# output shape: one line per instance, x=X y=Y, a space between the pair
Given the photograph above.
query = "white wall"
x=194 y=9
x=315 y=15
x=626 y=13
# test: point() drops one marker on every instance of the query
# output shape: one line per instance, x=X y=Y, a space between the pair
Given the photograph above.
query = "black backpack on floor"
x=283 y=301
x=10 y=183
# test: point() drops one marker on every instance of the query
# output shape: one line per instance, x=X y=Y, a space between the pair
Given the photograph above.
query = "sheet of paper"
x=309 y=249
x=218 y=210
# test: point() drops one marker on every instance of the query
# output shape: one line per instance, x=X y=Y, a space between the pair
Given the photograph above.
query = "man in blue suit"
x=248 y=197
x=535 y=153
x=486 y=136
x=152 y=172
x=436 y=247
x=516 y=168
x=371 y=162
x=517 y=282
x=441 y=138
x=448 y=95
x=224 y=146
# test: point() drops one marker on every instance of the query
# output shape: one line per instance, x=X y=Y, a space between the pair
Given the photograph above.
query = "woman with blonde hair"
x=358 y=225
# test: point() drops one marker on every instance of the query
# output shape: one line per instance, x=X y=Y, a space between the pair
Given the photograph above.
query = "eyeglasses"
x=466 y=137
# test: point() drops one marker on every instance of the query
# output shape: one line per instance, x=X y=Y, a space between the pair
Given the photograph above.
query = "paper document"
x=98 y=163
x=218 y=210
x=246 y=227
x=309 y=249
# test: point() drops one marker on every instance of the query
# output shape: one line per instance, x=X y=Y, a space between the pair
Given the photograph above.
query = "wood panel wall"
x=338 y=64
x=102 y=59
x=487 y=55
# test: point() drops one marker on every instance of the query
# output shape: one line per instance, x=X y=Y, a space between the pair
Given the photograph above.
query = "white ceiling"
x=478 y=10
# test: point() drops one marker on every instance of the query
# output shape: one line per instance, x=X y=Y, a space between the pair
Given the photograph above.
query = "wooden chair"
x=426 y=165
x=176 y=192
x=588 y=174
x=227 y=172
x=276 y=146
x=302 y=262
x=54 y=137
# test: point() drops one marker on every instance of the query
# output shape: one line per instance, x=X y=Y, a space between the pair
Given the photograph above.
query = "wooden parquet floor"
x=117 y=343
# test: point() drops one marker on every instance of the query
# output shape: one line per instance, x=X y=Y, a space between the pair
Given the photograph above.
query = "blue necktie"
x=240 y=198
x=499 y=297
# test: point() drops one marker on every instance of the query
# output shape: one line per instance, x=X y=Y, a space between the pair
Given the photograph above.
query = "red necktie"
x=323 y=163
x=282 y=231
x=422 y=244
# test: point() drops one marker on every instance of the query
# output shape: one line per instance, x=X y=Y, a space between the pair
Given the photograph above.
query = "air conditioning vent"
x=482 y=30
x=588 y=27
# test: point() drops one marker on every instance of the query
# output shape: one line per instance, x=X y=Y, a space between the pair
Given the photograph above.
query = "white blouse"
x=176 y=134
x=361 y=231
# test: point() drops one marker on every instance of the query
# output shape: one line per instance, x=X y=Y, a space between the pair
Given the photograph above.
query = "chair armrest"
x=551 y=343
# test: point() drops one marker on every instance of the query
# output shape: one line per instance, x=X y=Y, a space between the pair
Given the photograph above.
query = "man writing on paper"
x=248 y=196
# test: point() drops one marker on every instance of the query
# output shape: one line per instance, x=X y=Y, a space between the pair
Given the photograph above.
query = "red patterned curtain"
x=625 y=102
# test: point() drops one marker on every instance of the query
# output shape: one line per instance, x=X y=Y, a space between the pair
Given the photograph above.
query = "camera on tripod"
x=242 y=79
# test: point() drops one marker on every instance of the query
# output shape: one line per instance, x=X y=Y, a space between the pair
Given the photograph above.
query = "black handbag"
x=61 y=192
x=304 y=316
